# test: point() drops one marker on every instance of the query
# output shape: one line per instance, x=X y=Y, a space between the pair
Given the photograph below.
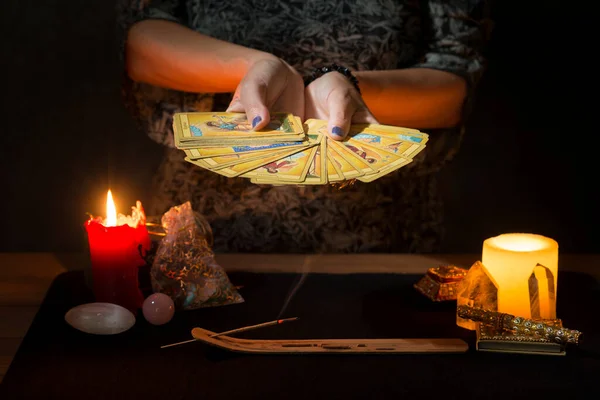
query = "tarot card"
x=200 y=163
x=334 y=171
x=343 y=166
x=300 y=124
x=377 y=159
x=242 y=168
x=317 y=171
x=333 y=174
x=227 y=160
x=399 y=133
x=217 y=151
x=292 y=167
x=233 y=159
x=386 y=163
x=386 y=142
x=232 y=128
x=349 y=167
x=359 y=158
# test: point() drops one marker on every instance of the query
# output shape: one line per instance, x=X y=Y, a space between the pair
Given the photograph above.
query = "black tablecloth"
x=57 y=361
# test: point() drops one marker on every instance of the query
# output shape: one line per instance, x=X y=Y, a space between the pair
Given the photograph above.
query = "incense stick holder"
x=331 y=346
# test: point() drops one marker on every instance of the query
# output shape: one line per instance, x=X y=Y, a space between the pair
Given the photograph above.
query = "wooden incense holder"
x=324 y=346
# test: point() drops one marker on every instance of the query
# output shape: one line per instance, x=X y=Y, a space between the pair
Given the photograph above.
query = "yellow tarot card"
x=334 y=174
x=291 y=167
x=217 y=151
x=349 y=167
x=241 y=168
x=315 y=175
x=200 y=127
x=233 y=159
x=391 y=128
x=357 y=156
x=199 y=163
x=316 y=127
x=317 y=171
x=299 y=124
x=390 y=166
x=345 y=168
x=376 y=158
x=385 y=141
x=406 y=134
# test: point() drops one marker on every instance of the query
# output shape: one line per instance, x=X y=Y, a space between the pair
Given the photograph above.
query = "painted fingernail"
x=337 y=131
x=256 y=121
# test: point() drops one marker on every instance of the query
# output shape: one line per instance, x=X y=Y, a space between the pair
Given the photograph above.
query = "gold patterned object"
x=550 y=330
x=441 y=283
x=490 y=339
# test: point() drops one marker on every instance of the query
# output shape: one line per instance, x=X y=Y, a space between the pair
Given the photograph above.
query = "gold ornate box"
x=441 y=283
x=489 y=338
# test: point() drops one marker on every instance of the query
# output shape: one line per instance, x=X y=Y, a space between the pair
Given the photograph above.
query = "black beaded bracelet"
x=319 y=72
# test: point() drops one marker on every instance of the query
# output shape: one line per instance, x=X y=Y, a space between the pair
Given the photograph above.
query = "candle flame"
x=111 y=211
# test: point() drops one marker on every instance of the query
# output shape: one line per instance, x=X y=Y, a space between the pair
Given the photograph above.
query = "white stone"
x=100 y=318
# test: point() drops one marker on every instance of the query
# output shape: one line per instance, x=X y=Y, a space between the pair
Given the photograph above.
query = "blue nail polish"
x=256 y=121
x=337 y=131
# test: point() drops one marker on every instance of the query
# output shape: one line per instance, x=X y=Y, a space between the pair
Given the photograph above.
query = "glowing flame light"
x=111 y=211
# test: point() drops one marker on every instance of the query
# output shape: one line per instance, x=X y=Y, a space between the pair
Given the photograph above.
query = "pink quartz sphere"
x=158 y=309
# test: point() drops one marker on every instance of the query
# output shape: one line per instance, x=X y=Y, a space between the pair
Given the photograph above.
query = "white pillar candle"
x=511 y=259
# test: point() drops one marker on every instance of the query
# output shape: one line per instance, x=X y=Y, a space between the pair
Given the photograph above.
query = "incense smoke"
x=295 y=288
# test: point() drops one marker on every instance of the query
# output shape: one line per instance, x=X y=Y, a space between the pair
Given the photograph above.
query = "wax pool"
x=116 y=254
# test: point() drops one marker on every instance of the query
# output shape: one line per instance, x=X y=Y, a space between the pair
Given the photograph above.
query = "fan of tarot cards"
x=288 y=152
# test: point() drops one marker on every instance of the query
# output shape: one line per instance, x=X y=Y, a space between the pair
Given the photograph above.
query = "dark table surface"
x=57 y=361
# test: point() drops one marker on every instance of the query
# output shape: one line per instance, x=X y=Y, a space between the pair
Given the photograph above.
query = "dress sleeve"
x=130 y=12
x=456 y=32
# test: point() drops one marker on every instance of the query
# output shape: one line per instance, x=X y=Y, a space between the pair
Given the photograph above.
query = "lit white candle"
x=511 y=259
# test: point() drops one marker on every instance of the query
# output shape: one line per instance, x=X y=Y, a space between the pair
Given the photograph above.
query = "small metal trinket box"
x=441 y=283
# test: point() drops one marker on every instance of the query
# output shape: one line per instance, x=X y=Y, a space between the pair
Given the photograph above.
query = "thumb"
x=364 y=116
x=253 y=98
x=341 y=108
x=235 y=106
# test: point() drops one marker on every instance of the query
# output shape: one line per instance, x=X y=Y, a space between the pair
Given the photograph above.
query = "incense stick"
x=238 y=330
x=251 y=327
x=177 y=344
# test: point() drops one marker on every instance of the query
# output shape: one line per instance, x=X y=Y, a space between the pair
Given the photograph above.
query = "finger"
x=235 y=106
x=364 y=116
x=291 y=104
x=341 y=106
x=253 y=96
x=292 y=100
x=311 y=110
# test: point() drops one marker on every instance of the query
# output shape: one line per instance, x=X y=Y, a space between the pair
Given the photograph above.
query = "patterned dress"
x=401 y=212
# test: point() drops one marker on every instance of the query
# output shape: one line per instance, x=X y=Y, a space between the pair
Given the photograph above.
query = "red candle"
x=115 y=245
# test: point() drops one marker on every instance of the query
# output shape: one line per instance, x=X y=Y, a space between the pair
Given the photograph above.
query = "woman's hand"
x=270 y=85
x=334 y=98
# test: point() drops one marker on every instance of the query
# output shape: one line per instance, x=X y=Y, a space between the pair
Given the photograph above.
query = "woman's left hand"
x=333 y=98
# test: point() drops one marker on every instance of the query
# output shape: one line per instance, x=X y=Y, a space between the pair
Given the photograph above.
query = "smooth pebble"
x=100 y=318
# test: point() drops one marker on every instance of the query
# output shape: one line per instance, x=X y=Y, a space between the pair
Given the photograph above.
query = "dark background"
x=528 y=163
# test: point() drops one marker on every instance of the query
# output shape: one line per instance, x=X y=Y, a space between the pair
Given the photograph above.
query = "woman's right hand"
x=270 y=85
